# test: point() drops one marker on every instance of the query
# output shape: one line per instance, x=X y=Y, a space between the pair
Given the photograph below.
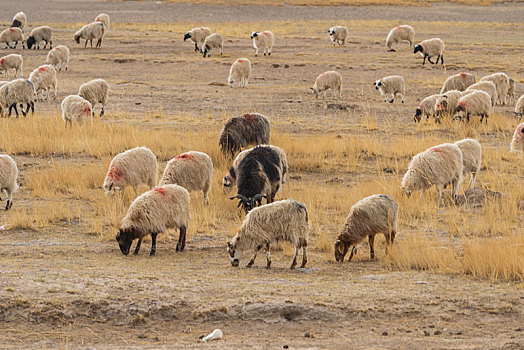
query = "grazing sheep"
x=501 y=81
x=104 y=18
x=475 y=103
x=39 y=34
x=391 y=85
x=439 y=165
x=471 y=157
x=76 y=109
x=400 y=33
x=154 y=212
x=367 y=217
x=19 y=21
x=282 y=221
x=58 y=57
x=431 y=48
x=264 y=40
x=511 y=91
x=517 y=143
x=239 y=72
x=247 y=130
x=447 y=103
x=486 y=86
x=326 y=81
x=95 y=91
x=191 y=170
x=10 y=35
x=338 y=35
x=18 y=92
x=197 y=35
x=213 y=41
x=460 y=81
x=519 y=107
x=95 y=30
x=12 y=61
x=134 y=167
x=44 y=78
x=8 y=178
x=230 y=178
x=258 y=175
x=426 y=108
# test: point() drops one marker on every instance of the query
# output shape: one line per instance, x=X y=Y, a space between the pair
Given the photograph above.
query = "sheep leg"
x=9 y=203
x=50 y=44
x=353 y=252
x=294 y=263
x=181 y=239
x=85 y=45
x=153 y=244
x=99 y=43
x=32 y=108
x=268 y=257
x=441 y=59
x=252 y=261
x=439 y=189
x=102 y=111
x=196 y=47
x=455 y=191
x=137 y=248
x=304 y=257
x=27 y=109
x=472 y=181
x=371 y=240
x=16 y=110
x=256 y=52
x=424 y=62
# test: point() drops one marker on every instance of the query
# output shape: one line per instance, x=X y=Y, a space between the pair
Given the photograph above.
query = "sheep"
x=19 y=21
x=58 y=57
x=400 y=33
x=247 y=130
x=517 y=143
x=471 y=157
x=95 y=91
x=229 y=179
x=369 y=216
x=501 y=81
x=95 y=30
x=76 y=109
x=213 y=41
x=39 y=34
x=511 y=91
x=460 y=81
x=282 y=221
x=44 y=78
x=486 y=86
x=103 y=18
x=264 y=40
x=447 y=103
x=191 y=170
x=338 y=34
x=391 y=85
x=153 y=212
x=10 y=35
x=439 y=165
x=426 y=108
x=12 y=61
x=18 y=92
x=197 y=35
x=8 y=178
x=519 y=107
x=134 y=167
x=240 y=72
x=430 y=48
x=259 y=175
x=475 y=103
x=325 y=81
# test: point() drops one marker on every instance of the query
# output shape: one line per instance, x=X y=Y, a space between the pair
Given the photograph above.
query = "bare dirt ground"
x=61 y=287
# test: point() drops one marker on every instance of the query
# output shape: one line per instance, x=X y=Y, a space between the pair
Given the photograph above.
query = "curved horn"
x=239 y=196
x=258 y=197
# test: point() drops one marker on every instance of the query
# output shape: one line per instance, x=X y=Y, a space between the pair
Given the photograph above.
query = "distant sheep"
x=240 y=72
x=95 y=91
x=95 y=30
x=244 y=131
x=264 y=40
x=197 y=35
x=367 y=217
x=400 y=33
x=134 y=167
x=19 y=21
x=12 y=61
x=431 y=48
x=10 y=35
x=330 y=80
x=460 y=81
x=486 y=86
x=44 y=78
x=472 y=158
x=426 y=108
x=511 y=91
x=338 y=34
x=283 y=221
x=104 y=18
x=58 y=57
x=154 y=212
x=18 y=92
x=39 y=34
x=76 y=109
x=192 y=170
x=501 y=81
x=475 y=103
x=213 y=41
x=517 y=143
x=519 y=107
x=392 y=85
x=8 y=178
x=447 y=103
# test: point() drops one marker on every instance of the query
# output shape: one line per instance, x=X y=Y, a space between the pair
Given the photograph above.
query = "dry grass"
x=332 y=2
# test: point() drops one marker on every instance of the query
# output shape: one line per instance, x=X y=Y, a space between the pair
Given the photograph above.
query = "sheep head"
x=187 y=36
x=254 y=35
x=341 y=249
x=249 y=203
x=125 y=238
x=418 y=48
x=233 y=252
x=418 y=115
x=30 y=42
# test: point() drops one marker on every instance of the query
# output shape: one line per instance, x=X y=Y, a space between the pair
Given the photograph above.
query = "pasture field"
x=454 y=278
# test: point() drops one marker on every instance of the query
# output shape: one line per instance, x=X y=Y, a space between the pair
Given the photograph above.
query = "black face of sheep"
x=341 y=250
x=232 y=256
x=377 y=84
x=418 y=115
x=16 y=23
x=331 y=31
x=418 y=48
x=249 y=203
x=254 y=35
x=187 y=36
x=124 y=239
x=77 y=39
x=30 y=42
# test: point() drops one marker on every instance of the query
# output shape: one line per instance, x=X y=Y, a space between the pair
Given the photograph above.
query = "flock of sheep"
x=258 y=172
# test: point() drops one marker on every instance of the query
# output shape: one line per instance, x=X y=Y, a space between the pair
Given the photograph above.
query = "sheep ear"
x=337 y=241
x=228 y=244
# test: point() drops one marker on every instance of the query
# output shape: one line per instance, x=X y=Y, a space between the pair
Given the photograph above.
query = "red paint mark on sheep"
x=185 y=156
x=87 y=110
x=399 y=27
x=161 y=191
x=462 y=103
x=2 y=60
x=265 y=33
x=11 y=30
x=249 y=117
x=115 y=173
x=42 y=69
x=463 y=75
x=436 y=149
x=57 y=48
x=240 y=60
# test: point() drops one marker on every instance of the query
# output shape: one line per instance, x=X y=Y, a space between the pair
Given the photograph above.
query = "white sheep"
x=154 y=212
x=8 y=178
x=439 y=166
x=501 y=81
x=471 y=157
x=95 y=91
x=475 y=103
x=39 y=34
x=519 y=107
x=330 y=80
x=76 y=109
x=460 y=81
x=213 y=41
x=511 y=91
x=338 y=34
x=426 y=108
x=95 y=30
x=104 y=18
x=367 y=217
x=517 y=143
x=197 y=35
x=240 y=72
x=264 y=40
x=18 y=92
x=431 y=48
x=58 y=57
x=12 y=61
x=486 y=86
x=447 y=103
x=400 y=33
x=134 y=167
x=392 y=85
x=282 y=221
x=19 y=20
x=10 y=35
x=191 y=170
x=44 y=78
